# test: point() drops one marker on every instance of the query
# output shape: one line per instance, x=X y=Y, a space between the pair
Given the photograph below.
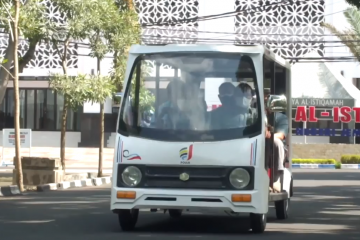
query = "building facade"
x=290 y=29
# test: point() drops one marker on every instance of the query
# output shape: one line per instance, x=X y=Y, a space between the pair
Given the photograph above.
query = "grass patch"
x=314 y=161
x=350 y=159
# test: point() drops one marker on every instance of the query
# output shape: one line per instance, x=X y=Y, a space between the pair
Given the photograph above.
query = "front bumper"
x=190 y=199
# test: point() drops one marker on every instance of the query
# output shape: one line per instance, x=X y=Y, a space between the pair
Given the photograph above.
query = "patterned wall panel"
x=160 y=11
x=45 y=55
x=291 y=29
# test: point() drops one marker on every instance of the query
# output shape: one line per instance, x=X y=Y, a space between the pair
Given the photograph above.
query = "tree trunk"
x=19 y=174
x=5 y=69
x=64 y=113
x=30 y=53
x=101 y=148
x=63 y=132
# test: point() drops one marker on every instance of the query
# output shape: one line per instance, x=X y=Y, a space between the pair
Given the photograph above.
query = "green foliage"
x=106 y=16
x=116 y=29
x=355 y=3
x=82 y=88
x=99 y=88
x=338 y=165
x=314 y=161
x=116 y=99
x=121 y=37
x=74 y=88
x=3 y=61
x=79 y=15
x=33 y=23
x=146 y=99
x=350 y=159
x=350 y=37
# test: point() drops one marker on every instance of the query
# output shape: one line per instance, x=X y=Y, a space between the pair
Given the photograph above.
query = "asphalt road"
x=326 y=205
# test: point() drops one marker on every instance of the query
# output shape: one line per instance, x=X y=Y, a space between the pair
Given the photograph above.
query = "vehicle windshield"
x=191 y=97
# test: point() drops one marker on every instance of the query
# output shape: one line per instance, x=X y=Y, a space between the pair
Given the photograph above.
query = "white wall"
x=309 y=139
x=51 y=139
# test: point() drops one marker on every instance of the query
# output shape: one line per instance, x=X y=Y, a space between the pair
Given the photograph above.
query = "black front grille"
x=216 y=178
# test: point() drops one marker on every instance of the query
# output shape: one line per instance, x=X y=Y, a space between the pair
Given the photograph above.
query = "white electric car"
x=203 y=145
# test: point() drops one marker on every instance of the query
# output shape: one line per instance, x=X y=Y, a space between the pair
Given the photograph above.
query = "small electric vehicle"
x=192 y=130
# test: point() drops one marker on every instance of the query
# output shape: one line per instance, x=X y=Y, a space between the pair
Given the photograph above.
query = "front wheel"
x=257 y=222
x=128 y=218
x=282 y=208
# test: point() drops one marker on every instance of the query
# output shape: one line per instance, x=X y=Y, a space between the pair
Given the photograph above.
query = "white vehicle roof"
x=144 y=49
x=255 y=49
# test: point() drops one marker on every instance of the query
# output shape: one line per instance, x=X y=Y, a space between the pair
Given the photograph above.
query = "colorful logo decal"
x=131 y=156
x=186 y=154
x=253 y=153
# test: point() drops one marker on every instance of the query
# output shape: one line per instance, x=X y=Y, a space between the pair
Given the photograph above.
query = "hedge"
x=314 y=161
x=350 y=159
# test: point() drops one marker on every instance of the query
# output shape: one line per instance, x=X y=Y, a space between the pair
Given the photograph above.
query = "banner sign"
x=329 y=132
x=340 y=114
x=321 y=102
x=9 y=138
x=339 y=111
x=9 y=142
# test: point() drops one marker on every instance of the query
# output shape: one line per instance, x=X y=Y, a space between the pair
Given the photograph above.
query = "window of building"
x=30 y=109
x=40 y=110
x=71 y=121
x=10 y=108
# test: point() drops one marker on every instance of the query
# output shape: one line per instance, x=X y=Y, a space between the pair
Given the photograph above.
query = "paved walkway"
x=326 y=205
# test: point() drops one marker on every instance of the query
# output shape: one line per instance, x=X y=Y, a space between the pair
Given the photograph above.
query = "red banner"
x=340 y=114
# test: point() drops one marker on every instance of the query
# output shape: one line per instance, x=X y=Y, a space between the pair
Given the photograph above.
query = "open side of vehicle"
x=191 y=133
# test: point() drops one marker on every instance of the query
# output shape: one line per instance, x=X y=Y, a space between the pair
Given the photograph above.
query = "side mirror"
x=276 y=103
x=117 y=99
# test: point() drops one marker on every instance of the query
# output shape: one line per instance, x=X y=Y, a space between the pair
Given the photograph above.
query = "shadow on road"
x=317 y=211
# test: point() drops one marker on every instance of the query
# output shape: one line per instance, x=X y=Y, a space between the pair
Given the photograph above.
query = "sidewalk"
x=71 y=154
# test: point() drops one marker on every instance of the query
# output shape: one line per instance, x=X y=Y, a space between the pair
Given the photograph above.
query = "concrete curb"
x=12 y=190
x=350 y=166
x=313 y=166
x=324 y=166
x=74 y=184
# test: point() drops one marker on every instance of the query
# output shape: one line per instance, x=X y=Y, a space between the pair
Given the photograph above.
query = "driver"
x=228 y=115
x=172 y=112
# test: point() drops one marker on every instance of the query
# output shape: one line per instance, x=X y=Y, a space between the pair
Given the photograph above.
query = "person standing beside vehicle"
x=280 y=131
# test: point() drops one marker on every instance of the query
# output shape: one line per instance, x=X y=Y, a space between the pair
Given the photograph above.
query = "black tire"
x=128 y=219
x=257 y=222
x=175 y=213
x=291 y=188
x=282 y=208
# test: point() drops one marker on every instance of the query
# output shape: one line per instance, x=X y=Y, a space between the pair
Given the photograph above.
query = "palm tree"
x=351 y=36
x=356 y=3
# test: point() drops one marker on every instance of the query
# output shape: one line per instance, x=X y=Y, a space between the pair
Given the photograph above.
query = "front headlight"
x=239 y=178
x=131 y=176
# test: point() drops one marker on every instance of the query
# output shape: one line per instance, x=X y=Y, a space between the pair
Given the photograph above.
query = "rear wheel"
x=175 y=213
x=128 y=218
x=257 y=222
x=282 y=208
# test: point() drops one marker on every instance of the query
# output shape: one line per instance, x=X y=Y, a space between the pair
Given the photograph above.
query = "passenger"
x=166 y=104
x=244 y=100
x=172 y=114
x=281 y=130
x=228 y=114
